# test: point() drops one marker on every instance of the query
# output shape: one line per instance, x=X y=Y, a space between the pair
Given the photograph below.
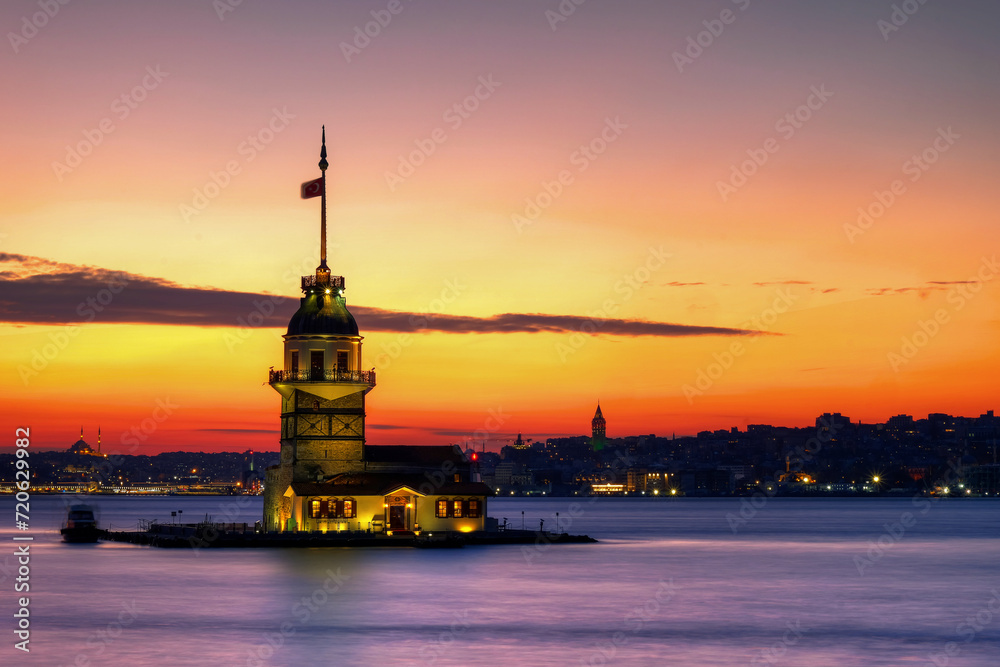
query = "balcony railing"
x=353 y=377
x=336 y=282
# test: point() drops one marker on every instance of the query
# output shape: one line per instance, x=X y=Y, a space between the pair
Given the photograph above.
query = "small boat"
x=81 y=526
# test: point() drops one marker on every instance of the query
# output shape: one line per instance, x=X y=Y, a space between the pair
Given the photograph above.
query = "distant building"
x=598 y=428
x=832 y=422
x=81 y=446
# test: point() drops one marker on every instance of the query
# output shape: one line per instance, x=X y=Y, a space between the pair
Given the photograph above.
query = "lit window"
x=457 y=509
x=473 y=509
x=458 y=477
x=349 y=508
x=441 y=510
x=314 y=509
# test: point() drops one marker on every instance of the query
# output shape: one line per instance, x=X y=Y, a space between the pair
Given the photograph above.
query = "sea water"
x=672 y=581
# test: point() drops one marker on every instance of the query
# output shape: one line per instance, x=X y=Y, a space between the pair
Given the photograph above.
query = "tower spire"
x=323 y=164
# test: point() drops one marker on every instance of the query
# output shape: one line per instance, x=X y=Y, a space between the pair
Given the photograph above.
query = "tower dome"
x=323 y=310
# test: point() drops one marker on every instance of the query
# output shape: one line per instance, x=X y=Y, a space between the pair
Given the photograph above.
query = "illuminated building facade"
x=327 y=478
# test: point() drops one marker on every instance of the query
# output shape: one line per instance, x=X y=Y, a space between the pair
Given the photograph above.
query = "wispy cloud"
x=783 y=282
x=922 y=290
x=238 y=430
x=40 y=291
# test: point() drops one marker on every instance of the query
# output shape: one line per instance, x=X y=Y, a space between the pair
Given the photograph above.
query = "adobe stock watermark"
x=223 y=7
x=302 y=611
x=364 y=34
x=140 y=432
x=31 y=25
x=896 y=530
x=248 y=150
x=392 y=350
x=562 y=12
x=581 y=158
x=627 y=287
x=786 y=127
x=967 y=630
x=87 y=310
x=958 y=296
x=707 y=376
x=440 y=645
x=121 y=108
x=899 y=17
x=634 y=621
x=697 y=44
x=256 y=317
x=773 y=653
x=454 y=116
x=915 y=167
x=99 y=641
x=494 y=422
x=562 y=522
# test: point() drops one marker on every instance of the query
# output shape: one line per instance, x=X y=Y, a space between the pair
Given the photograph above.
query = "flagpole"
x=323 y=164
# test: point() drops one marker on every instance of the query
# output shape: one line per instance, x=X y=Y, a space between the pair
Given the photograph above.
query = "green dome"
x=322 y=314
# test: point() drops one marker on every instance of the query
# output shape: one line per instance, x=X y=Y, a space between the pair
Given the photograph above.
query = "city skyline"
x=500 y=439
x=698 y=244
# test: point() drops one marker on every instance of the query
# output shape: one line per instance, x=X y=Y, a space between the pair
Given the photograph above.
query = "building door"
x=397 y=517
x=316 y=364
x=341 y=361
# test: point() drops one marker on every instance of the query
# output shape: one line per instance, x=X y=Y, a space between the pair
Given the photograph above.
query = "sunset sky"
x=533 y=211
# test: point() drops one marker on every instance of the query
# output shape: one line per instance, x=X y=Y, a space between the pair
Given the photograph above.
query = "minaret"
x=598 y=429
x=322 y=384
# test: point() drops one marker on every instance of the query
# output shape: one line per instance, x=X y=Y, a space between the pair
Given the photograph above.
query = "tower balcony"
x=322 y=280
x=327 y=383
x=325 y=375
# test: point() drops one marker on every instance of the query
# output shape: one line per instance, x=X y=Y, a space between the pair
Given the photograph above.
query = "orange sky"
x=160 y=98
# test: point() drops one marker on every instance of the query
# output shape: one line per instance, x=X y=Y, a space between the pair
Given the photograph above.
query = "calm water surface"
x=802 y=582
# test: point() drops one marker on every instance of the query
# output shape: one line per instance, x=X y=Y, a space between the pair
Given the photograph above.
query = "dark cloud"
x=39 y=291
x=678 y=284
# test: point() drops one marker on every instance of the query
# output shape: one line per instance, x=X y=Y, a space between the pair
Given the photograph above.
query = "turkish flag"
x=312 y=189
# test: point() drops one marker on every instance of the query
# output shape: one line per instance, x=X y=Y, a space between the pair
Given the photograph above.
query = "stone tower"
x=598 y=429
x=322 y=383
